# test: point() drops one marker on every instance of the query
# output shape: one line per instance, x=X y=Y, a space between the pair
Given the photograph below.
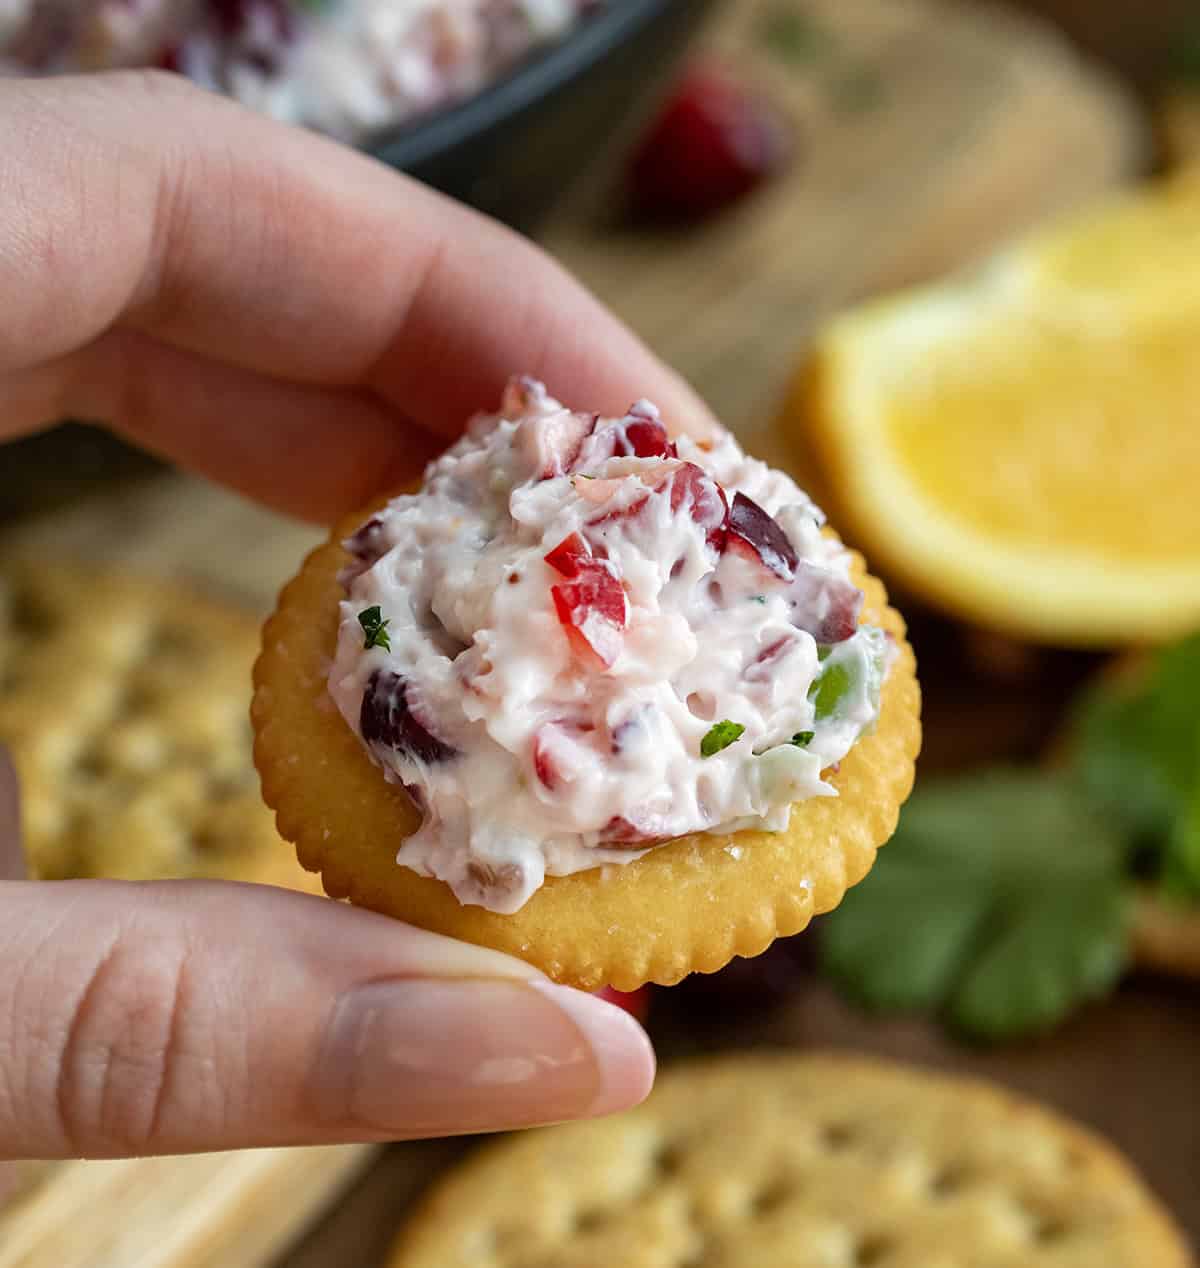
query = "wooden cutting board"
x=927 y=131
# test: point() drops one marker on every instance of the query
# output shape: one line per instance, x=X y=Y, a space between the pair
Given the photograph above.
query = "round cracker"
x=123 y=701
x=688 y=905
x=756 y=1160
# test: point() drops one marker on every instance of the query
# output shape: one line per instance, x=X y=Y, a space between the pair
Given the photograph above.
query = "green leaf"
x=722 y=735
x=1000 y=901
x=802 y=739
x=1136 y=752
x=375 y=629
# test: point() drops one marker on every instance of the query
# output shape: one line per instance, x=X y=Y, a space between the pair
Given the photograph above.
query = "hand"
x=284 y=315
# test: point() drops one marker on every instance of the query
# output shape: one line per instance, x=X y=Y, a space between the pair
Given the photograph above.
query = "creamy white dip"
x=579 y=615
x=345 y=67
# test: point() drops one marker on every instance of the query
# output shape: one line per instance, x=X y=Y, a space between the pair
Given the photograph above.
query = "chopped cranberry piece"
x=620 y=831
x=369 y=544
x=751 y=527
x=594 y=610
x=552 y=749
x=703 y=498
x=763 y=664
x=387 y=719
x=647 y=438
x=552 y=442
x=640 y=434
x=825 y=605
x=635 y=1003
x=570 y=556
x=712 y=144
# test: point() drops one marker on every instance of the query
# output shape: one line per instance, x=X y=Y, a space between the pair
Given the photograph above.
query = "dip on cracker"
x=581 y=638
x=607 y=697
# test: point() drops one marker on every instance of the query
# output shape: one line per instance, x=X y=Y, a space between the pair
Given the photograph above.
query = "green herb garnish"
x=1137 y=756
x=830 y=689
x=375 y=628
x=802 y=739
x=722 y=735
x=1000 y=902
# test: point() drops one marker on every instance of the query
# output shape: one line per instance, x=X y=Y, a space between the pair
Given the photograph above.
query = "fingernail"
x=12 y=857
x=428 y=1057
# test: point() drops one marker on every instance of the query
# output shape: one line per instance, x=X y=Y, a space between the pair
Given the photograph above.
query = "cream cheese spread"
x=581 y=638
x=345 y=67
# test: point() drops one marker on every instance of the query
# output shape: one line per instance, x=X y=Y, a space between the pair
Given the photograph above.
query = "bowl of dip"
x=491 y=101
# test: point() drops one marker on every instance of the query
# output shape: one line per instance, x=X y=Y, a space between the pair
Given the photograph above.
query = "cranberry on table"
x=713 y=143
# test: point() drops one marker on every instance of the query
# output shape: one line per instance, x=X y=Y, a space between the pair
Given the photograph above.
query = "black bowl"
x=514 y=148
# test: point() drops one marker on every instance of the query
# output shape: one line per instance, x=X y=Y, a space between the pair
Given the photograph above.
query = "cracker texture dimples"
x=124 y=704
x=691 y=904
x=784 y=1161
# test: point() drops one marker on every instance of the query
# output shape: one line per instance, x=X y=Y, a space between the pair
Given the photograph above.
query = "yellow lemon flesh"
x=1022 y=443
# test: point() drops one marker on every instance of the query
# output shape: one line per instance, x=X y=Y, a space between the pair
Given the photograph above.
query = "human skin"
x=294 y=320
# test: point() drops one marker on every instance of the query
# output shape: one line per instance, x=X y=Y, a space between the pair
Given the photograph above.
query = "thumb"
x=174 y=1017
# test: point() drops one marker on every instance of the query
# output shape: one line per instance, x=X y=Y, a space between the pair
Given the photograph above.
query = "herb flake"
x=802 y=739
x=721 y=736
x=374 y=629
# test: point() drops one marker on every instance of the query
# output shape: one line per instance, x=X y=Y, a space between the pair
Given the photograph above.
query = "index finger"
x=223 y=233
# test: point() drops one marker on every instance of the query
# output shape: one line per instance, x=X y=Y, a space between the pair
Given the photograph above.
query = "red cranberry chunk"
x=555 y=750
x=620 y=832
x=765 y=663
x=713 y=143
x=570 y=556
x=369 y=544
x=750 y=525
x=593 y=610
x=552 y=443
x=697 y=493
x=824 y=605
x=635 y=1003
x=647 y=438
x=638 y=435
x=388 y=720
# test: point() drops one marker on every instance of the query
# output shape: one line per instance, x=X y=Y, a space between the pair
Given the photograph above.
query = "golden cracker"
x=124 y=704
x=689 y=905
x=786 y=1161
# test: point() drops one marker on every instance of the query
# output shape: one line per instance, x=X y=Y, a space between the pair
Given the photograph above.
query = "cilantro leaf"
x=1000 y=901
x=722 y=735
x=1137 y=756
x=375 y=629
x=802 y=739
